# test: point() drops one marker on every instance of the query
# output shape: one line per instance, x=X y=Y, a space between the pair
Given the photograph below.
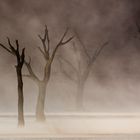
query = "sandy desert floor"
x=103 y=126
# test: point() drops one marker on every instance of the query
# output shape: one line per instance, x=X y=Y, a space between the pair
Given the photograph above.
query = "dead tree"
x=49 y=57
x=20 y=61
x=81 y=76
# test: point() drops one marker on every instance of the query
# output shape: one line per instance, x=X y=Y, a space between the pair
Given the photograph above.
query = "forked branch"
x=82 y=45
x=61 y=42
x=97 y=52
x=15 y=51
x=31 y=72
x=43 y=39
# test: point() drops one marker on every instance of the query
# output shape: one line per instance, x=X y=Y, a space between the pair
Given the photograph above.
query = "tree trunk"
x=80 y=94
x=80 y=87
x=20 y=97
x=40 y=115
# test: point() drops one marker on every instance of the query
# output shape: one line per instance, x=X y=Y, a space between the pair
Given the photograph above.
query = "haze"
x=113 y=84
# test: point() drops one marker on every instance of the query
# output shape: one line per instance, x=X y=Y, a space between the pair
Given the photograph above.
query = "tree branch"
x=15 y=52
x=17 y=44
x=66 y=41
x=65 y=33
x=69 y=63
x=22 y=57
x=48 y=39
x=31 y=72
x=8 y=50
x=61 y=42
x=42 y=53
x=65 y=72
x=11 y=46
x=82 y=45
x=98 y=51
x=43 y=40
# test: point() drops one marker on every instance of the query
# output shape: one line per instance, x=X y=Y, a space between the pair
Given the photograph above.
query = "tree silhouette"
x=20 y=61
x=49 y=57
x=81 y=75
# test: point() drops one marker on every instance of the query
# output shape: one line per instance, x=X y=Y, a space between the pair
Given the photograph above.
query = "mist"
x=113 y=83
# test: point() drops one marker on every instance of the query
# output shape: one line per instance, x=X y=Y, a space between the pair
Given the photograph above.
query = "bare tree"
x=49 y=57
x=81 y=76
x=20 y=61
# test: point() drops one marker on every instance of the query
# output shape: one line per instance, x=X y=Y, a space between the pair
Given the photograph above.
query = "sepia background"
x=113 y=82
